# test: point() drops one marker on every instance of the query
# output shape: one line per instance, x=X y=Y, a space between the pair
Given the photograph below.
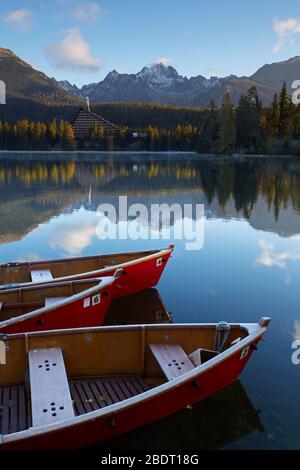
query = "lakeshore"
x=93 y=155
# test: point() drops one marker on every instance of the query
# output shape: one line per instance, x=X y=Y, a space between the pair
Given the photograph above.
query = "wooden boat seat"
x=13 y=416
x=50 y=394
x=172 y=359
x=200 y=356
x=94 y=393
x=41 y=276
x=52 y=300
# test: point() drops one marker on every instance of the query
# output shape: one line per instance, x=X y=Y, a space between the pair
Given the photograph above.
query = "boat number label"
x=95 y=300
x=245 y=352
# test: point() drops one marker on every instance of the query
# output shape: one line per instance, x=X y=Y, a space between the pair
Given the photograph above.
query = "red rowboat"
x=69 y=304
x=142 y=270
x=89 y=385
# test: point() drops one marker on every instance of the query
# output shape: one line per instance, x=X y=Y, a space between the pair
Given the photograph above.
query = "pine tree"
x=52 y=133
x=248 y=120
x=284 y=125
x=272 y=118
x=68 y=137
x=227 y=128
x=207 y=139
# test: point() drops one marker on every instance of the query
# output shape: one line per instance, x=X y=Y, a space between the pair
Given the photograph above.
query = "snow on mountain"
x=156 y=83
x=159 y=75
x=66 y=85
x=160 y=83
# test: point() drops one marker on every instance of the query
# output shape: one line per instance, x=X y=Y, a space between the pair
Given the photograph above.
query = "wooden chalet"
x=85 y=121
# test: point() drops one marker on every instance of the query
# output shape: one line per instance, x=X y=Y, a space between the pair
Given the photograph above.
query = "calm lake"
x=248 y=267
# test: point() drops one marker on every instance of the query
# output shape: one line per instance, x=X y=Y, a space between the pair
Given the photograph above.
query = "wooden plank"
x=131 y=389
x=139 y=384
x=99 y=396
x=142 y=382
x=52 y=300
x=43 y=275
x=50 y=393
x=84 y=397
x=172 y=359
x=103 y=392
x=120 y=388
x=13 y=409
x=77 y=400
x=111 y=392
x=5 y=411
x=93 y=394
x=21 y=407
x=89 y=395
x=115 y=385
x=13 y=425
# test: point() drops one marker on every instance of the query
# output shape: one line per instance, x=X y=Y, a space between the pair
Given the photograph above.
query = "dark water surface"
x=249 y=267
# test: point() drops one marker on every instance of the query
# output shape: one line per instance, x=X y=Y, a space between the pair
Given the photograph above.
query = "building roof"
x=85 y=120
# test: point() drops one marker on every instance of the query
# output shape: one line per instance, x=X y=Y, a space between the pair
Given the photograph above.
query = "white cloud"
x=88 y=12
x=21 y=19
x=73 y=53
x=163 y=60
x=286 y=31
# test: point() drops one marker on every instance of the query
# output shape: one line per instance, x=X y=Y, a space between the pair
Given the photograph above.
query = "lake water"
x=248 y=267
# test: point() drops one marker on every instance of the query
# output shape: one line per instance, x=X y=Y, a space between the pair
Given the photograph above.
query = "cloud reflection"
x=269 y=257
x=296 y=332
x=73 y=238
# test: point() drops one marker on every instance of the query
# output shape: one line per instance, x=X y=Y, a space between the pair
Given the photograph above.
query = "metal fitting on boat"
x=221 y=336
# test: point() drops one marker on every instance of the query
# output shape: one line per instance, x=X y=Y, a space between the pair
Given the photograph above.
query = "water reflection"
x=144 y=307
x=213 y=423
x=249 y=266
x=264 y=192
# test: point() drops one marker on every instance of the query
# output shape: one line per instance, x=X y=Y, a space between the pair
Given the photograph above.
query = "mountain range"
x=162 y=84
x=154 y=84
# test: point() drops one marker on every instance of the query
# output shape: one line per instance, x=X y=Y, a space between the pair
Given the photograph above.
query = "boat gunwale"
x=102 y=284
x=152 y=255
x=255 y=332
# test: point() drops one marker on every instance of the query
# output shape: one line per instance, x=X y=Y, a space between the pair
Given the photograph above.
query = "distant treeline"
x=133 y=115
x=245 y=128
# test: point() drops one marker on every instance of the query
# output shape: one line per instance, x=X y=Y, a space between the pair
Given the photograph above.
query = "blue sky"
x=82 y=40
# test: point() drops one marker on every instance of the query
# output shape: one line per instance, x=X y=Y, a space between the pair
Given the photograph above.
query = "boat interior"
x=48 y=377
x=45 y=271
x=17 y=302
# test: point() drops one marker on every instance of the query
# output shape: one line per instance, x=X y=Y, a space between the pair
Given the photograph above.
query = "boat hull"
x=144 y=412
x=81 y=313
x=140 y=274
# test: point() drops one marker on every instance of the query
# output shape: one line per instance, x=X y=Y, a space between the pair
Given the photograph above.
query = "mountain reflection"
x=265 y=191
